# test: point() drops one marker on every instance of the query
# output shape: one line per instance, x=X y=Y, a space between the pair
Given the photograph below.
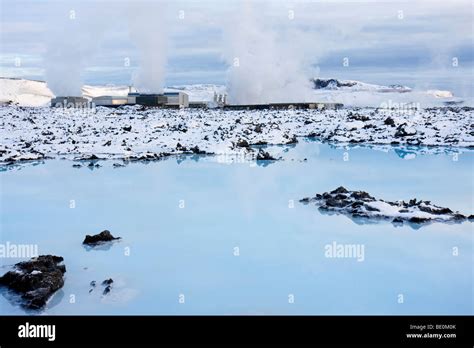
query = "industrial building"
x=177 y=99
x=151 y=99
x=181 y=100
x=198 y=104
x=169 y=99
x=132 y=98
x=109 y=101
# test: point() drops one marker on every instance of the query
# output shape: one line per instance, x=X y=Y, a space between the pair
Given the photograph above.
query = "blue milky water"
x=183 y=222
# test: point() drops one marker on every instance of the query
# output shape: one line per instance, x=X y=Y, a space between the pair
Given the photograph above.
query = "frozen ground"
x=29 y=131
x=133 y=132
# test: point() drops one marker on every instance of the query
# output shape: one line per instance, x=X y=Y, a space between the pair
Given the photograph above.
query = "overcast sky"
x=407 y=42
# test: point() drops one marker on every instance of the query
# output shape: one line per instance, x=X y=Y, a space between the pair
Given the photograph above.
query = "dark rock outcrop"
x=243 y=143
x=360 y=204
x=404 y=131
x=180 y=147
x=197 y=151
x=108 y=281
x=389 y=122
x=108 y=286
x=36 y=280
x=264 y=156
x=102 y=237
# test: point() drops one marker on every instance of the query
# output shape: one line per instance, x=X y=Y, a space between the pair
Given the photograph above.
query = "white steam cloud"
x=148 y=31
x=72 y=39
x=265 y=65
x=77 y=30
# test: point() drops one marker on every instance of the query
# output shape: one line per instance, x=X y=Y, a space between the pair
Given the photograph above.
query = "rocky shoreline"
x=361 y=205
x=150 y=134
x=36 y=280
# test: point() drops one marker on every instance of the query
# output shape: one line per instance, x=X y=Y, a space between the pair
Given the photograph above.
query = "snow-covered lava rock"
x=36 y=280
x=134 y=132
x=360 y=204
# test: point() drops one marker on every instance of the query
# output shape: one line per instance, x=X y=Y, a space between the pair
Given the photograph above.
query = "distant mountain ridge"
x=334 y=84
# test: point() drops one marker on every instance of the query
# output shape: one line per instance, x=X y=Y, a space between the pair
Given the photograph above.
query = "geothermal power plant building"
x=151 y=99
x=169 y=99
x=110 y=101
x=180 y=100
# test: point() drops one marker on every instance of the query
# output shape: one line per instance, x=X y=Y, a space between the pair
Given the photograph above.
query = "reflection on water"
x=206 y=237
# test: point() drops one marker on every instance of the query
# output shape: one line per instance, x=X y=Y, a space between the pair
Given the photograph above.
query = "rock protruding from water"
x=108 y=286
x=103 y=237
x=264 y=156
x=36 y=280
x=360 y=204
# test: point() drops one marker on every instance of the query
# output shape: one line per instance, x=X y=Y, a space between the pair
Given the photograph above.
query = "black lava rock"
x=197 y=151
x=102 y=237
x=402 y=131
x=362 y=195
x=360 y=204
x=108 y=281
x=180 y=147
x=340 y=189
x=417 y=220
x=243 y=143
x=36 y=280
x=389 y=122
x=264 y=156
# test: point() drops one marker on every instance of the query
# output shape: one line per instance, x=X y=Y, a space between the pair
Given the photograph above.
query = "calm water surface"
x=182 y=223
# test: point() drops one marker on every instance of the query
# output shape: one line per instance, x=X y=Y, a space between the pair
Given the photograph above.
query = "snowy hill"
x=357 y=93
x=24 y=92
x=352 y=85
